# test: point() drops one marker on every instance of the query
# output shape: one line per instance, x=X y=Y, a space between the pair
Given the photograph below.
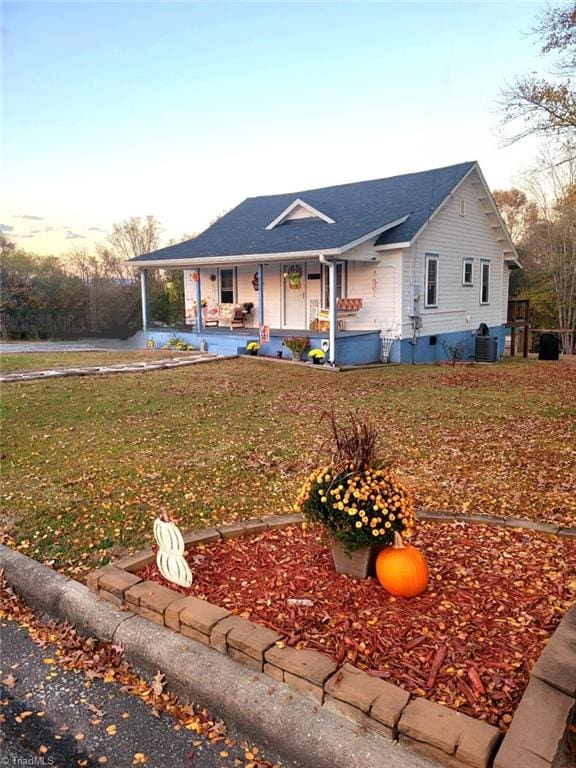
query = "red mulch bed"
x=469 y=641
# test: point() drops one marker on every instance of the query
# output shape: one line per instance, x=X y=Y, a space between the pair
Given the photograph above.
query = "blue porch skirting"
x=352 y=347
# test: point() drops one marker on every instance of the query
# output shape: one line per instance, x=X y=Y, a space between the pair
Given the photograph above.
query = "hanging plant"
x=294 y=277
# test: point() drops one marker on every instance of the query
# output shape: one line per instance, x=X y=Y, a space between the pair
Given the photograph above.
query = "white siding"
x=379 y=285
x=272 y=284
x=453 y=238
x=245 y=291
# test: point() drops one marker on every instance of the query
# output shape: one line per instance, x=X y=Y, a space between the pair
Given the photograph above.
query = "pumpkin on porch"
x=401 y=569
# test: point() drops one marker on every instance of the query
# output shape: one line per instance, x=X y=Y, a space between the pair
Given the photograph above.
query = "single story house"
x=397 y=268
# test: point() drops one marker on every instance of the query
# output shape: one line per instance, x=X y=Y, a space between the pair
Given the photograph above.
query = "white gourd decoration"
x=170 y=558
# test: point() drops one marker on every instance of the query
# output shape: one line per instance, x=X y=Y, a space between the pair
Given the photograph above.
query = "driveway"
x=80 y=345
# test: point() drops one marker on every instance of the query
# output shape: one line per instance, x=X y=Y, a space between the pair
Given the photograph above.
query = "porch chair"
x=237 y=318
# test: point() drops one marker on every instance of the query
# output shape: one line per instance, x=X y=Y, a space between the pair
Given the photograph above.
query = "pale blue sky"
x=112 y=110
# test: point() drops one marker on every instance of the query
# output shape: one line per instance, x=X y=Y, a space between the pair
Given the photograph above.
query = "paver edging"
x=258 y=652
x=538 y=732
x=261 y=709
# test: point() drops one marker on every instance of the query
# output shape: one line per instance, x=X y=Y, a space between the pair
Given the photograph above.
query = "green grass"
x=88 y=463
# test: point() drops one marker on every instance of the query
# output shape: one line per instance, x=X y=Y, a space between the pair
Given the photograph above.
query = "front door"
x=294 y=288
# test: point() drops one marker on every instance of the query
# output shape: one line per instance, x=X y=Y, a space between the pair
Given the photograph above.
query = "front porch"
x=351 y=347
x=225 y=307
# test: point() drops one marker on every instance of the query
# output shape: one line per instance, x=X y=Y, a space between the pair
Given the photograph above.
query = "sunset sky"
x=181 y=110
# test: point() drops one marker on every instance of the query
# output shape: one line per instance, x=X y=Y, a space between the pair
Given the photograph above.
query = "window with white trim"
x=431 y=280
x=467 y=272
x=484 y=282
x=226 y=286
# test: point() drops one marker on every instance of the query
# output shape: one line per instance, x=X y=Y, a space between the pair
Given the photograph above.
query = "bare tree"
x=553 y=237
x=547 y=106
x=135 y=237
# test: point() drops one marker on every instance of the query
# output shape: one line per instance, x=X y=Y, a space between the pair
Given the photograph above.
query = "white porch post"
x=260 y=294
x=198 y=303
x=333 y=301
x=144 y=295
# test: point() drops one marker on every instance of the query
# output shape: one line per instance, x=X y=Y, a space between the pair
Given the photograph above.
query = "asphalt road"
x=51 y=719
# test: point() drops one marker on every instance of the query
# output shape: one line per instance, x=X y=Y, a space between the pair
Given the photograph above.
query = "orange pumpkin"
x=401 y=569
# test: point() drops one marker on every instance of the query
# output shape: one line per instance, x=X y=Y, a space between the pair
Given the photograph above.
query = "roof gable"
x=298 y=210
x=398 y=206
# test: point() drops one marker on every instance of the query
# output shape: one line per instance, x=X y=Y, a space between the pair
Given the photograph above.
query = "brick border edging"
x=427 y=727
x=505 y=522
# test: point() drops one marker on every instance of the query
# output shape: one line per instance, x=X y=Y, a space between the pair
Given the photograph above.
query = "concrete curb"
x=271 y=713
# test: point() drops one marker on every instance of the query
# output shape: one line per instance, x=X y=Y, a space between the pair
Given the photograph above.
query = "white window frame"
x=484 y=263
x=462 y=208
x=234 y=291
x=467 y=260
x=429 y=257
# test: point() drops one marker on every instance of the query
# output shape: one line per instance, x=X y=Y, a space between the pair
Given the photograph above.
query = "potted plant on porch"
x=356 y=497
x=297 y=345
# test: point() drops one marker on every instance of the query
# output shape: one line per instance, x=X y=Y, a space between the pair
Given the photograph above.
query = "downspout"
x=332 y=294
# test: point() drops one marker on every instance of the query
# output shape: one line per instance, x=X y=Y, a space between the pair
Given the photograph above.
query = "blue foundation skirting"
x=352 y=347
x=431 y=349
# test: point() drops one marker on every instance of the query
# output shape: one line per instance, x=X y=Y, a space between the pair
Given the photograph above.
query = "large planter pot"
x=296 y=356
x=360 y=563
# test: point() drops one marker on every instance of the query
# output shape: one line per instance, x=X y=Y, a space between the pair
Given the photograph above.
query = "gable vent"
x=299 y=209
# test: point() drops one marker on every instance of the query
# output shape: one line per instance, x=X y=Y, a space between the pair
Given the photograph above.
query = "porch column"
x=260 y=295
x=198 y=302
x=144 y=291
x=332 y=299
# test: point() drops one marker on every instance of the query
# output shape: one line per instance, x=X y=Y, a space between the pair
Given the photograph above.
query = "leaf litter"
x=469 y=642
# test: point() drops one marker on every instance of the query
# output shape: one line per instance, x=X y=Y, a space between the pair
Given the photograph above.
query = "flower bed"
x=495 y=597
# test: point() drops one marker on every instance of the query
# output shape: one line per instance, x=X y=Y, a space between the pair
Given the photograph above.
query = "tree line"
x=87 y=292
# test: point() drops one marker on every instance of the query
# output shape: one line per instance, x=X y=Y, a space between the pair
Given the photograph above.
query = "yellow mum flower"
x=387 y=525
x=358 y=524
x=352 y=511
x=323 y=499
x=375 y=532
x=326 y=478
x=340 y=505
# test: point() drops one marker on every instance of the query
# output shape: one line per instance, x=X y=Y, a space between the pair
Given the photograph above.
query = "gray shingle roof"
x=358 y=209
